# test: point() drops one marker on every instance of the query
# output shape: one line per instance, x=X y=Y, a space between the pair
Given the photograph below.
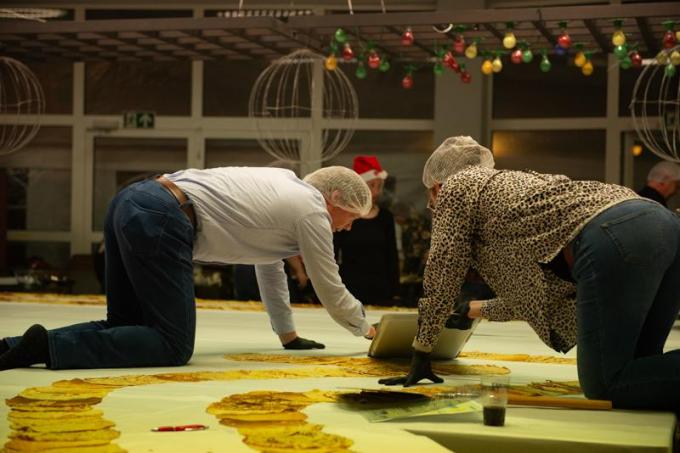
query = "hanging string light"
x=580 y=57
x=459 y=40
x=675 y=57
x=340 y=36
x=621 y=51
x=636 y=59
x=361 y=72
x=626 y=62
x=545 y=64
x=497 y=63
x=438 y=68
x=527 y=54
x=564 y=40
x=407 y=37
x=487 y=66
x=668 y=36
x=331 y=61
x=618 y=37
x=471 y=50
x=407 y=81
x=347 y=52
x=588 y=68
x=509 y=40
x=373 y=59
x=384 y=65
x=516 y=56
x=465 y=76
x=451 y=62
x=670 y=70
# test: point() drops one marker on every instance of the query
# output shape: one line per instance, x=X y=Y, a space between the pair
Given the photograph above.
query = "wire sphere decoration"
x=657 y=95
x=288 y=90
x=20 y=94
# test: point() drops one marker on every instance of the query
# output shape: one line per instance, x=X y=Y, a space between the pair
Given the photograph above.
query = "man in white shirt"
x=156 y=228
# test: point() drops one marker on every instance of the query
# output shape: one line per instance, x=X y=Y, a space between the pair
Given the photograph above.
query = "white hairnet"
x=454 y=154
x=664 y=172
x=343 y=188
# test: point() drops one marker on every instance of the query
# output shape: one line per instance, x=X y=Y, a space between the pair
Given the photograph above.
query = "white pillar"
x=612 y=170
x=310 y=150
x=81 y=187
x=196 y=144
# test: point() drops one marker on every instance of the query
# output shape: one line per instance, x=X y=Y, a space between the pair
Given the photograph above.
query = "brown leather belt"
x=181 y=198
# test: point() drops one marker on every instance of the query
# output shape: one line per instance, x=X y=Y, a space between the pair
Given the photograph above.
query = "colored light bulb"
x=509 y=40
x=331 y=63
x=471 y=51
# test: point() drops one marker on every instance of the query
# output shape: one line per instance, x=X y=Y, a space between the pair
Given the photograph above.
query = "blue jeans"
x=627 y=272
x=151 y=312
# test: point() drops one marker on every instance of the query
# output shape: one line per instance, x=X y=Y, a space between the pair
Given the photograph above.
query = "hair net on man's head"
x=343 y=188
x=664 y=172
x=454 y=154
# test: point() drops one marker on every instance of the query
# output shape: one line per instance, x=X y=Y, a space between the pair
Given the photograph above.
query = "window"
x=119 y=162
x=39 y=182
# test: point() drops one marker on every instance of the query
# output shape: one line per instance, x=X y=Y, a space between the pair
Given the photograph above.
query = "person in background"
x=662 y=182
x=582 y=262
x=367 y=254
x=154 y=229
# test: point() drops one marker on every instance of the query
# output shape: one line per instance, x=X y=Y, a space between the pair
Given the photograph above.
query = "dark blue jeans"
x=151 y=312
x=627 y=271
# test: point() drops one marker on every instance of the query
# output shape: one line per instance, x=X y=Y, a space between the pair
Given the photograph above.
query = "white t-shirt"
x=260 y=216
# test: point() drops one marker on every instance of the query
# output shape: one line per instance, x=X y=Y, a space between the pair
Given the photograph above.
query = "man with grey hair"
x=662 y=182
x=582 y=262
x=157 y=227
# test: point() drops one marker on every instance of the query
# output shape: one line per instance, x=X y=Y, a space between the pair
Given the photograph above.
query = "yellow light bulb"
x=675 y=58
x=677 y=35
x=662 y=57
x=497 y=65
x=487 y=67
x=636 y=150
x=587 y=68
x=580 y=59
x=331 y=62
x=471 y=51
x=509 y=40
x=619 y=38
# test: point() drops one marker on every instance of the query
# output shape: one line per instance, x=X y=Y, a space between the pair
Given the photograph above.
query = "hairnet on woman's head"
x=454 y=154
x=343 y=188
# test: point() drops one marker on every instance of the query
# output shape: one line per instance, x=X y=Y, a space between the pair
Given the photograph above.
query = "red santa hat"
x=368 y=168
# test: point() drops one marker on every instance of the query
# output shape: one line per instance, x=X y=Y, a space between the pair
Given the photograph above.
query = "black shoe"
x=4 y=347
x=303 y=343
x=32 y=348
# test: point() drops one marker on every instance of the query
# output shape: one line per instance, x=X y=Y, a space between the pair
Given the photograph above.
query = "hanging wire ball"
x=20 y=94
x=284 y=91
x=657 y=95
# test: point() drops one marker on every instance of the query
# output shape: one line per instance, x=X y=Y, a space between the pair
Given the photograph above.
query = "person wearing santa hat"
x=367 y=254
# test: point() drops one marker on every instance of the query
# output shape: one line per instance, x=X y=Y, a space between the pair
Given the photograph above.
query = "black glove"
x=459 y=318
x=303 y=343
x=421 y=368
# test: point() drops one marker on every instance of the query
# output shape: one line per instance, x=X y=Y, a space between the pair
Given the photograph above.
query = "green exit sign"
x=139 y=120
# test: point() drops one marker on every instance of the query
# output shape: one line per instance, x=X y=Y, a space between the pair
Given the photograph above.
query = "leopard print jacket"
x=504 y=224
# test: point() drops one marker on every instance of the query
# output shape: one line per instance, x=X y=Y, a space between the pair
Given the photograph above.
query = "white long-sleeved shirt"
x=260 y=216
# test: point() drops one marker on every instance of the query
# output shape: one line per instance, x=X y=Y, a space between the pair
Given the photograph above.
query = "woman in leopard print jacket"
x=582 y=262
